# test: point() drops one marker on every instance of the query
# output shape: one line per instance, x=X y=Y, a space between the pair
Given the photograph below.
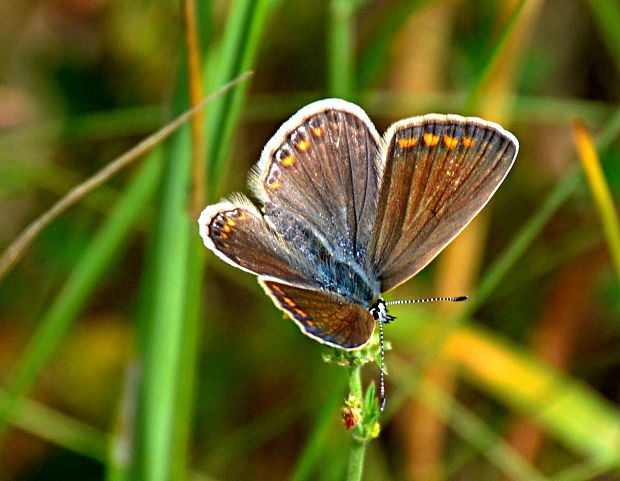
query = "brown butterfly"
x=346 y=215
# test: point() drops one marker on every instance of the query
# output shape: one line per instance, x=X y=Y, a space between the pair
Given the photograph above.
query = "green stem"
x=355 y=466
x=355 y=381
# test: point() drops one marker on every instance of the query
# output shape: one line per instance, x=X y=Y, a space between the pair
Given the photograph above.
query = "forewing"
x=320 y=170
x=440 y=170
x=321 y=315
x=238 y=233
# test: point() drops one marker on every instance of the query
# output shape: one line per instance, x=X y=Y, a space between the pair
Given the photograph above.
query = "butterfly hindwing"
x=440 y=170
x=324 y=316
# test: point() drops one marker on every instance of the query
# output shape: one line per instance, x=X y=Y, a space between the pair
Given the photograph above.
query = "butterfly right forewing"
x=440 y=170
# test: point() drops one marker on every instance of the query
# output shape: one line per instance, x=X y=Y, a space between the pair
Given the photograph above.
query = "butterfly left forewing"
x=440 y=170
x=321 y=170
x=238 y=234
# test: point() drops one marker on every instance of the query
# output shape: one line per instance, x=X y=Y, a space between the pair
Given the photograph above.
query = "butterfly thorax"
x=378 y=311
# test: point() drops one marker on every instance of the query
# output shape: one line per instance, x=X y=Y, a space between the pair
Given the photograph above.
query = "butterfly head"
x=379 y=312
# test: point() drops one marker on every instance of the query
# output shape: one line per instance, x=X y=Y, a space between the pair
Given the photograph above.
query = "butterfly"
x=346 y=215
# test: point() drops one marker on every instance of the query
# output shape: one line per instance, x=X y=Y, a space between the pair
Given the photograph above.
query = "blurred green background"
x=129 y=352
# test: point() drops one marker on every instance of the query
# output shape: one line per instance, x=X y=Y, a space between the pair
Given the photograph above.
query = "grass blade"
x=375 y=52
x=61 y=430
x=475 y=431
x=607 y=14
x=98 y=257
x=473 y=99
x=239 y=48
x=600 y=190
x=568 y=410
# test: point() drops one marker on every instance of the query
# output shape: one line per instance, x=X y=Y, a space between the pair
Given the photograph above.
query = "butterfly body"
x=347 y=215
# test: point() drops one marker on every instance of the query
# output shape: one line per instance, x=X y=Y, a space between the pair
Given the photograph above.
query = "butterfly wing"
x=324 y=316
x=238 y=234
x=440 y=171
x=320 y=170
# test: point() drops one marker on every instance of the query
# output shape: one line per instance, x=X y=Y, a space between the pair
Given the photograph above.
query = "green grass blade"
x=162 y=328
x=121 y=447
x=582 y=472
x=185 y=390
x=114 y=124
x=315 y=445
x=238 y=52
x=340 y=43
x=607 y=15
x=98 y=257
x=522 y=240
x=477 y=433
x=566 y=409
x=600 y=191
x=61 y=430
x=171 y=320
x=473 y=99
x=375 y=53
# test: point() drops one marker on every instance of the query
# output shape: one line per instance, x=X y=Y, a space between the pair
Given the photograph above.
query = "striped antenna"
x=428 y=299
x=382 y=317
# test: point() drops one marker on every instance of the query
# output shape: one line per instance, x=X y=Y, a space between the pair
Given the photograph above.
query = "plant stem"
x=355 y=465
x=355 y=381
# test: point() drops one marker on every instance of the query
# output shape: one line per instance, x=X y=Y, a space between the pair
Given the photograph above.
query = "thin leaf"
x=600 y=190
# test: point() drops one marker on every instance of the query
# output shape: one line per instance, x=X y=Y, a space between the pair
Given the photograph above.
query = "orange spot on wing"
x=303 y=145
x=406 y=143
x=451 y=142
x=288 y=161
x=243 y=216
x=431 y=140
x=289 y=301
x=224 y=235
x=317 y=131
x=227 y=228
x=230 y=222
x=468 y=141
x=302 y=313
x=274 y=185
x=277 y=289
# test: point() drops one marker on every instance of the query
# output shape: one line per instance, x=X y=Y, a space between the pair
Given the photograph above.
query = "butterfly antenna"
x=382 y=375
x=429 y=299
x=381 y=320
